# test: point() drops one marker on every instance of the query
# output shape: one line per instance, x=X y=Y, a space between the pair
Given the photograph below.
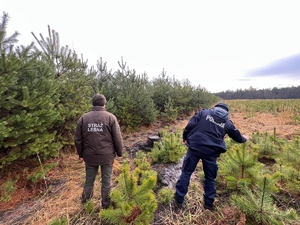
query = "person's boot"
x=106 y=204
x=209 y=207
x=87 y=194
x=105 y=199
x=177 y=205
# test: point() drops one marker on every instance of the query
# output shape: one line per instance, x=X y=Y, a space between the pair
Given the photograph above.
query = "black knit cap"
x=98 y=100
x=222 y=105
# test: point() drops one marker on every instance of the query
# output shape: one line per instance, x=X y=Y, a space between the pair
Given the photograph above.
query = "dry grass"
x=63 y=198
x=266 y=122
x=193 y=212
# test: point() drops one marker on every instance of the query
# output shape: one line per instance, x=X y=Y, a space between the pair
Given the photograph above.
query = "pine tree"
x=288 y=164
x=185 y=97
x=74 y=82
x=268 y=146
x=171 y=112
x=130 y=95
x=28 y=112
x=240 y=166
x=170 y=149
x=7 y=43
x=133 y=199
x=259 y=206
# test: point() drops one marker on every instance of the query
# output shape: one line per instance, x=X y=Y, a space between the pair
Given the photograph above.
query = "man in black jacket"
x=204 y=136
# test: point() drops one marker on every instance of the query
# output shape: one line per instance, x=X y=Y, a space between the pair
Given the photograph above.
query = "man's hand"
x=246 y=136
x=183 y=141
x=81 y=159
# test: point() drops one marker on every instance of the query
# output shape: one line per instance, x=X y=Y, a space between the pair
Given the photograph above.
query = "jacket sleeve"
x=117 y=137
x=78 y=139
x=191 y=124
x=235 y=134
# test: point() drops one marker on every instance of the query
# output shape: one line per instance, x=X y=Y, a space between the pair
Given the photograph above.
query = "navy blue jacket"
x=206 y=130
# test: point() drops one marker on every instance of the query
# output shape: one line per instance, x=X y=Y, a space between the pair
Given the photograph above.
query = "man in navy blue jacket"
x=204 y=136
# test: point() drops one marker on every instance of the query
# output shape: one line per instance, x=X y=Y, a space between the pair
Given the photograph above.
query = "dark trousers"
x=210 y=169
x=91 y=172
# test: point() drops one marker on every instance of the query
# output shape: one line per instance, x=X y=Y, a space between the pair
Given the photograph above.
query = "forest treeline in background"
x=252 y=93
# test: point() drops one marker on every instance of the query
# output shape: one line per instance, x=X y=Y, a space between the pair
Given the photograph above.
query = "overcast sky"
x=220 y=45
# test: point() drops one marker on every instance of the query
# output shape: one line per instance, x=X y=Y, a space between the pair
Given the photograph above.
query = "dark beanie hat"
x=99 y=100
x=222 y=105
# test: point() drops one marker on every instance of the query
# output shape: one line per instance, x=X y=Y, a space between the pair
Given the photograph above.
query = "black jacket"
x=206 y=130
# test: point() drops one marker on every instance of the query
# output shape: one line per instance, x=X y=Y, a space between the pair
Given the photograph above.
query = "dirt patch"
x=266 y=122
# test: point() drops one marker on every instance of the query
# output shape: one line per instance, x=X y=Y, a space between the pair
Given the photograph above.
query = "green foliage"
x=133 y=199
x=290 y=155
x=7 y=189
x=161 y=91
x=264 y=105
x=170 y=113
x=170 y=149
x=268 y=146
x=6 y=43
x=239 y=166
x=60 y=221
x=290 y=179
x=259 y=207
x=169 y=93
x=296 y=117
x=39 y=98
x=288 y=164
x=74 y=83
x=133 y=104
x=165 y=195
x=141 y=161
x=125 y=114
x=28 y=107
x=40 y=172
x=89 y=206
x=181 y=94
x=201 y=98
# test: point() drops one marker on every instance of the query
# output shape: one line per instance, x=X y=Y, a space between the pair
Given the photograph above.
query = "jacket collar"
x=98 y=108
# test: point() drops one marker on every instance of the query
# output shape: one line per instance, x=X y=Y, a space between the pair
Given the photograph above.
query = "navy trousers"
x=210 y=169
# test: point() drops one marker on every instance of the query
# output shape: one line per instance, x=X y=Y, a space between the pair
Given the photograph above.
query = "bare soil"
x=59 y=193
